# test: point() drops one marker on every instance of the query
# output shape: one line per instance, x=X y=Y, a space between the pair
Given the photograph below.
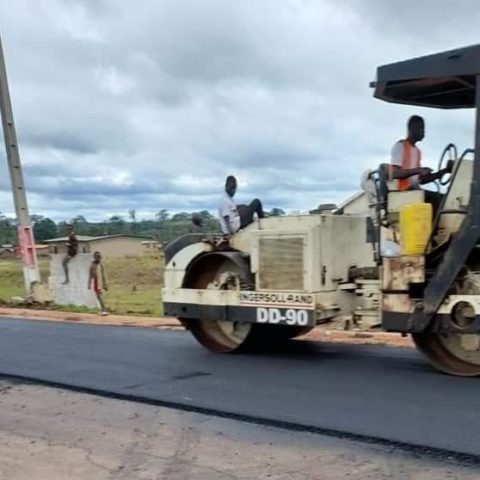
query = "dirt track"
x=51 y=434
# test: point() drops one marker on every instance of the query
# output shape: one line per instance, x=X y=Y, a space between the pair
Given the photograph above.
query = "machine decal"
x=287 y=316
x=243 y=313
x=280 y=299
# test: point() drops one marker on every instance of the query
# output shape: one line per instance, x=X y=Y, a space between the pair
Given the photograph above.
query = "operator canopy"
x=442 y=80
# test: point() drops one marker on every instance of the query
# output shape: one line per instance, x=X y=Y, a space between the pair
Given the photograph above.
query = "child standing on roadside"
x=97 y=280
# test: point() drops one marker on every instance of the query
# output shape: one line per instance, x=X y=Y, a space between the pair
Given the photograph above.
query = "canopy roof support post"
x=475 y=189
x=461 y=246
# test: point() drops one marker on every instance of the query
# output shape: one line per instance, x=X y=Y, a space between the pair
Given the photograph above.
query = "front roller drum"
x=218 y=335
x=226 y=336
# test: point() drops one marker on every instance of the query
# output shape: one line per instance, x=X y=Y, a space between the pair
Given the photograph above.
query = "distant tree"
x=62 y=228
x=205 y=215
x=81 y=225
x=79 y=220
x=34 y=218
x=323 y=208
x=132 y=213
x=182 y=216
x=276 y=212
x=8 y=231
x=165 y=227
x=44 y=228
x=162 y=215
x=116 y=225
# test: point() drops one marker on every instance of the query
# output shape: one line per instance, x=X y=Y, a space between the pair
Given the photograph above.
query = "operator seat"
x=375 y=185
x=384 y=199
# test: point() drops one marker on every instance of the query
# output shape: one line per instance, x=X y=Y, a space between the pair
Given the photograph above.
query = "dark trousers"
x=435 y=199
x=247 y=212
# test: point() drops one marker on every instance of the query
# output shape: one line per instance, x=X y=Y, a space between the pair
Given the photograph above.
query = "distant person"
x=72 y=250
x=97 y=280
x=233 y=217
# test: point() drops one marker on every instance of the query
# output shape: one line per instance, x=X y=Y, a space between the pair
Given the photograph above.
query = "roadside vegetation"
x=164 y=227
x=135 y=282
x=11 y=278
x=135 y=285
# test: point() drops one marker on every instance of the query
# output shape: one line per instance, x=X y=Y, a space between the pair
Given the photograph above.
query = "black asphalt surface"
x=390 y=393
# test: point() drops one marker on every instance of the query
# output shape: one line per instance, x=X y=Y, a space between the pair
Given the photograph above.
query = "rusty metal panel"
x=281 y=263
x=397 y=302
x=398 y=272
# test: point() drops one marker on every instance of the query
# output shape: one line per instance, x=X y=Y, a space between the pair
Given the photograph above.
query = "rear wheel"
x=452 y=353
x=455 y=353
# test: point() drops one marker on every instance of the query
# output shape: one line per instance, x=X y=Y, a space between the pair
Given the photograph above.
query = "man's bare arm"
x=399 y=173
x=90 y=277
x=104 y=278
x=433 y=176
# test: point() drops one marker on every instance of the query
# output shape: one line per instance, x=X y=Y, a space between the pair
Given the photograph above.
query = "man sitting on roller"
x=233 y=217
x=407 y=157
x=406 y=163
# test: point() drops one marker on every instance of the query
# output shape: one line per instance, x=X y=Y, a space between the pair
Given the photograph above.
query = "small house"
x=109 y=245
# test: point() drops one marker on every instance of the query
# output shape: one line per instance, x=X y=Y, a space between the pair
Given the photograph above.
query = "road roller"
x=387 y=259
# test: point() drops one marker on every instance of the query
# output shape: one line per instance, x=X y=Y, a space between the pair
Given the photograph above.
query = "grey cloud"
x=427 y=25
x=58 y=140
x=149 y=105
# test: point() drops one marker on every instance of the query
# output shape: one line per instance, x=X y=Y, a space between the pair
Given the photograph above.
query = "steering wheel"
x=452 y=152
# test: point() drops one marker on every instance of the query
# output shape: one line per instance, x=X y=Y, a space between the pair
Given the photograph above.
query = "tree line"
x=164 y=227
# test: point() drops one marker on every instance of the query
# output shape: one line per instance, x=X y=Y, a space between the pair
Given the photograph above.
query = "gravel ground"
x=46 y=433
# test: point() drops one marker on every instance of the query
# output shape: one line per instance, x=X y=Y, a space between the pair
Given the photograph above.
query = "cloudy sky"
x=149 y=104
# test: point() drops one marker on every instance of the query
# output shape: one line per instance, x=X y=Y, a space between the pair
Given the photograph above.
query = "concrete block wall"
x=75 y=292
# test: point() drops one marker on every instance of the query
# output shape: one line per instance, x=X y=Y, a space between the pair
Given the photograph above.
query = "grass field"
x=11 y=278
x=134 y=284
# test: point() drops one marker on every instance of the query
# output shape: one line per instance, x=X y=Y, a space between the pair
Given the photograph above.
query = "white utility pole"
x=25 y=233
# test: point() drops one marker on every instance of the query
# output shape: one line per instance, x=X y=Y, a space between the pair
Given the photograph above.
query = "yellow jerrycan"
x=415 y=228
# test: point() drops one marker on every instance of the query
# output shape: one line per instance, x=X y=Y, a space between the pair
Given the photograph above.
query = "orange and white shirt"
x=406 y=156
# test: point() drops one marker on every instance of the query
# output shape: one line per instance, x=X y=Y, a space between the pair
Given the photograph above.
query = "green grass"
x=134 y=285
x=11 y=278
x=71 y=308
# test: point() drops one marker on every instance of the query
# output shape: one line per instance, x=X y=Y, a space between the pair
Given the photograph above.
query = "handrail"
x=452 y=180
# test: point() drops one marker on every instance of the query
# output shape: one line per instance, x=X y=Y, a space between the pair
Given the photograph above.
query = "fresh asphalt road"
x=374 y=391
